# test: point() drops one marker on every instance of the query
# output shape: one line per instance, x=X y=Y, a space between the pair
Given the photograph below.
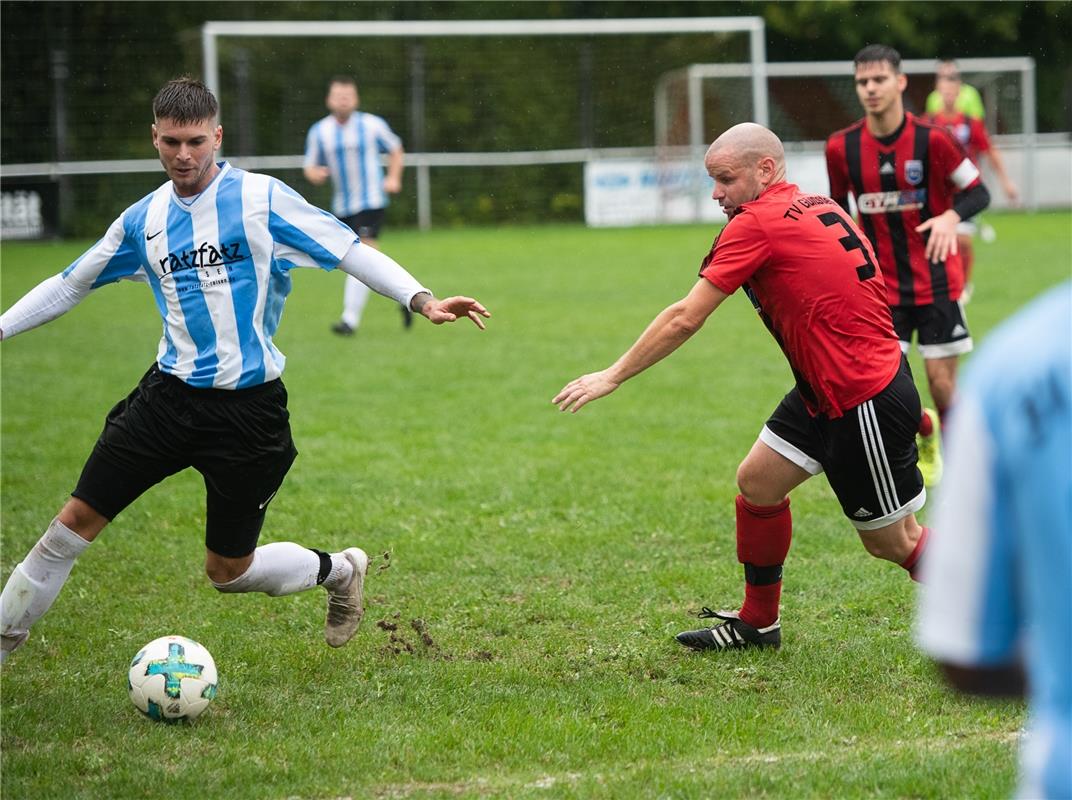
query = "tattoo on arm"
x=418 y=301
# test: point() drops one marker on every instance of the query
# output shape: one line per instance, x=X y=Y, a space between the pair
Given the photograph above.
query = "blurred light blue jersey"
x=351 y=152
x=997 y=577
x=219 y=268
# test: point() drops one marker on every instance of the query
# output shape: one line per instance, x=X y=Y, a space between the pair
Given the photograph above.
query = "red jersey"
x=899 y=182
x=969 y=132
x=813 y=278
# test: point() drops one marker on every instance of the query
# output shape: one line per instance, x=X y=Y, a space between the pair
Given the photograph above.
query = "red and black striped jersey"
x=969 y=132
x=813 y=278
x=899 y=182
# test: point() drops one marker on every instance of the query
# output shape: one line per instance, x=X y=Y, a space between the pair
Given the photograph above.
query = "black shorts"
x=239 y=440
x=869 y=454
x=943 y=328
x=367 y=223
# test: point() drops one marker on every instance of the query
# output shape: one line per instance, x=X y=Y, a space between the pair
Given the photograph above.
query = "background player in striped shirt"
x=215 y=244
x=913 y=184
x=345 y=146
x=970 y=132
x=1002 y=550
x=854 y=410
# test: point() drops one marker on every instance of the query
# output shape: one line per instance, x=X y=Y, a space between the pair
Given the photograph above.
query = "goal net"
x=498 y=118
x=807 y=101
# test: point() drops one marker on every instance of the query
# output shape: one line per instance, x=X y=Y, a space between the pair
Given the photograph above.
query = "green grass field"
x=551 y=557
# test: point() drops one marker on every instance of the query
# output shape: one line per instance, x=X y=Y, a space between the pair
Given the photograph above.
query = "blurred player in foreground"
x=345 y=146
x=1002 y=552
x=971 y=134
x=216 y=245
x=913 y=185
x=854 y=411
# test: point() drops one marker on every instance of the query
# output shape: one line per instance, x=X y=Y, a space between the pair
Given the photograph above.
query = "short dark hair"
x=345 y=80
x=185 y=100
x=875 y=53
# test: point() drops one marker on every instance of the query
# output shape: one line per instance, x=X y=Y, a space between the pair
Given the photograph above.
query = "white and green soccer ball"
x=172 y=679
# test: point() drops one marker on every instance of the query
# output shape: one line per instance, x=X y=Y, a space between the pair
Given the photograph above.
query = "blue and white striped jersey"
x=351 y=150
x=997 y=575
x=219 y=269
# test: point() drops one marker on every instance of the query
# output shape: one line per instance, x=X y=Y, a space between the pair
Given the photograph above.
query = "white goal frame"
x=695 y=74
x=755 y=27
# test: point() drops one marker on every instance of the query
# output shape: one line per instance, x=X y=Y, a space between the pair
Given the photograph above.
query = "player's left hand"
x=392 y=185
x=583 y=390
x=451 y=308
x=943 y=238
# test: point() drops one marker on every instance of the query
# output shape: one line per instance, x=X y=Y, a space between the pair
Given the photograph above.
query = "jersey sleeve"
x=949 y=158
x=113 y=258
x=836 y=170
x=386 y=139
x=304 y=235
x=969 y=615
x=740 y=249
x=314 y=150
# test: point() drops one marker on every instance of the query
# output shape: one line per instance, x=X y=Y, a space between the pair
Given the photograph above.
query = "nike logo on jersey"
x=266 y=502
x=150 y=237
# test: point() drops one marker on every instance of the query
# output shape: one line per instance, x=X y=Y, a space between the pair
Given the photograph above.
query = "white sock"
x=34 y=584
x=278 y=568
x=341 y=572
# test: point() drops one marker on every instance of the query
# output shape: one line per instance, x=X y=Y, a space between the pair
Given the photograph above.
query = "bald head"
x=747 y=143
x=744 y=161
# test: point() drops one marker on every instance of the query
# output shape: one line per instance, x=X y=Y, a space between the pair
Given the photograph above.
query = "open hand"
x=943 y=236
x=579 y=392
x=451 y=308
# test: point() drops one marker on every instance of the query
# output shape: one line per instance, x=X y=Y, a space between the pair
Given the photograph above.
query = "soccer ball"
x=172 y=679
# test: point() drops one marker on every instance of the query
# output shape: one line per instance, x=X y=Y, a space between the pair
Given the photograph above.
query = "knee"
x=753 y=487
x=224 y=572
x=80 y=517
x=890 y=545
x=878 y=548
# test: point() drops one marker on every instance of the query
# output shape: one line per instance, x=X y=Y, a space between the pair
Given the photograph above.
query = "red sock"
x=915 y=558
x=763 y=537
x=926 y=427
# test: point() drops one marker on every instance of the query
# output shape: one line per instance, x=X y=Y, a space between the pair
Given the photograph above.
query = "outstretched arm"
x=384 y=275
x=667 y=332
x=46 y=301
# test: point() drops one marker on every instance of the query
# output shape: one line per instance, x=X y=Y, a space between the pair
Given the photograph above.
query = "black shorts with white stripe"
x=941 y=328
x=869 y=454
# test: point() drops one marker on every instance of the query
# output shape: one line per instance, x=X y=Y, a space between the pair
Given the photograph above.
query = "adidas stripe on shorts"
x=869 y=454
x=941 y=328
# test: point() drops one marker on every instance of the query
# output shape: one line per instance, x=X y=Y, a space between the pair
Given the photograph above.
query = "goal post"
x=808 y=100
x=418 y=156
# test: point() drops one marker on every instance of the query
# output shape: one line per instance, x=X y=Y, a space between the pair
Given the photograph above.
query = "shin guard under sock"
x=763 y=537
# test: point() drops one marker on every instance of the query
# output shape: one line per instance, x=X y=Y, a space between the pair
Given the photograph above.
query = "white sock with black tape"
x=278 y=568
